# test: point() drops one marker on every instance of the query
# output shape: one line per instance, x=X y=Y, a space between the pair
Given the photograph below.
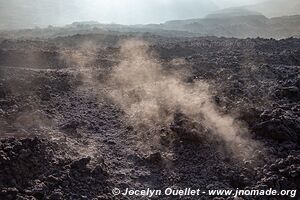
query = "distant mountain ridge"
x=226 y=26
x=239 y=22
x=232 y=25
x=232 y=12
x=270 y=9
x=276 y=8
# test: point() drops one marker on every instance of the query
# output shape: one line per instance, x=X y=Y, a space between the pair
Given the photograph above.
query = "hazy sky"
x=26 y=13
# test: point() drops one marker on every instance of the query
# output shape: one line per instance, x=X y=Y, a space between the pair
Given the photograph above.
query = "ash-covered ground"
x=84 y=114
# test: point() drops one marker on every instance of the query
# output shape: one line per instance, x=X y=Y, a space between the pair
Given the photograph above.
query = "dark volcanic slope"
x=62 y=137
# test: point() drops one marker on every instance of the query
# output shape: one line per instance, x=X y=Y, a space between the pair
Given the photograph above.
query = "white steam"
x=150 y=96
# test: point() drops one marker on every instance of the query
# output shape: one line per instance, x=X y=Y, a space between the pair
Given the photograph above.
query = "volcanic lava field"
x=84 y=114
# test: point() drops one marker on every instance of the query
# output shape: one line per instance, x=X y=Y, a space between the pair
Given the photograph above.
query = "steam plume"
x=150 y=96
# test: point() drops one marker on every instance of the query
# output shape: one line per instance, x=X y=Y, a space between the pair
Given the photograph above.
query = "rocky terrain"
x=65 y=136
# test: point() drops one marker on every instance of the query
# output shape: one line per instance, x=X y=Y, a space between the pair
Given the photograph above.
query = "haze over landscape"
x=27 y=14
